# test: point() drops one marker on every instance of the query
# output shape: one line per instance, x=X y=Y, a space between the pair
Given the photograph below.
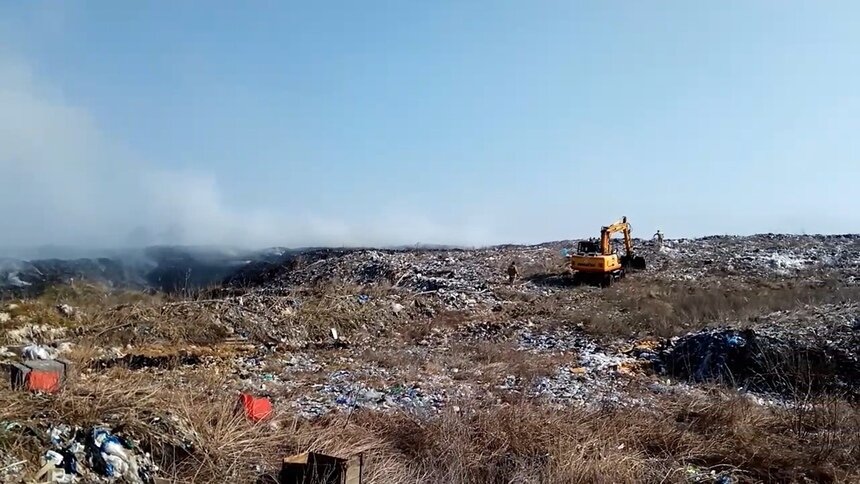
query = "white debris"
x=783 y=261
x=35 y=332
x=66 y=310
x=64 y=347
x=36 y=352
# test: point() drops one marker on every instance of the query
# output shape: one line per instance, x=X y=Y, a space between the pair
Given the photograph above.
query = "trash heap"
x=596 y=375
x=344 y=392
x=460 y=278
x=94 y=454
x=765 y=255
x=767 y=359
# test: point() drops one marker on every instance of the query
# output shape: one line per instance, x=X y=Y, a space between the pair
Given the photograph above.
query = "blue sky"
x=280 y=123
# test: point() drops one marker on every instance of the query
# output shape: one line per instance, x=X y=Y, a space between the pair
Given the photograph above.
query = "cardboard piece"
x=314 y=468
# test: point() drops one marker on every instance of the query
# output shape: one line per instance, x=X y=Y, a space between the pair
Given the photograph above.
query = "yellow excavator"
x=599 y=262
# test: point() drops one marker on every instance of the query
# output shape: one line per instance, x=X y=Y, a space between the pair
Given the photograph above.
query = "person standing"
x=513 y=272
x=659 y=238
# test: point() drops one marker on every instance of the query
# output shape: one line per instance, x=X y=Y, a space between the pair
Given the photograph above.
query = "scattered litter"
x=66 y=310
x=108 y=456
x=36 y=352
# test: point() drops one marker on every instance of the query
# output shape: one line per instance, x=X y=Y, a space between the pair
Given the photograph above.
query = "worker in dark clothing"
x=512 y=273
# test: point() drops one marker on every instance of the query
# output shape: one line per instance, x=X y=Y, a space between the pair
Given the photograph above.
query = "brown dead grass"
x=501 y=359
x=195 y=436
x=528 y=443
x=670 y=308
x=647 y=305
x=811 y=439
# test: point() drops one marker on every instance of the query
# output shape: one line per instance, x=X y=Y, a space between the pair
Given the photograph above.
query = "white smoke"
x=64 y=183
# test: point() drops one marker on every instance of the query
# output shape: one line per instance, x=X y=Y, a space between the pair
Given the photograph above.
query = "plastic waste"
x=54 y=457
x=36 y=352
x=70 y=458
x=735 y=340
x=116 y=466
x=66 y=310
x=53 y=470
x=256 y=408
x=110 y=457
x=58 y=434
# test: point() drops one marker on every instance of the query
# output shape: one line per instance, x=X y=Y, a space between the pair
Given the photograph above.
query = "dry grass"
x=188 y=420
x=194 y=434
x=670 y=308
x=502 y=359
x=529 y=443
x=647 y=305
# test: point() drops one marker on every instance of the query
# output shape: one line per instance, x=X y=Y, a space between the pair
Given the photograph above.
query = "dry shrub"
x=520 y=443
x=227 y=447
x=667 y=308
x=418 y=329
x=530 y=443
x=152 y=322
x=817 y=440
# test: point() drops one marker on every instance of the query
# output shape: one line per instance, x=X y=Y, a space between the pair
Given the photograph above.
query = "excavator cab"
x=587 y=247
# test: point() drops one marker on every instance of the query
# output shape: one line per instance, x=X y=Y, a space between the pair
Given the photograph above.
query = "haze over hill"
x=312 y=125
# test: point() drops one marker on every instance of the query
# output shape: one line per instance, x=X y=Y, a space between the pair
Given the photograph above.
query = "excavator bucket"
x=635 y=262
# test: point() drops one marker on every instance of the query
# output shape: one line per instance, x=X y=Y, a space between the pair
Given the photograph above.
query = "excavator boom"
x=606 y=236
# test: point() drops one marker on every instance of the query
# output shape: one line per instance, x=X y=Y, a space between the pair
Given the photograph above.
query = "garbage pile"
x=93 y=454
x=465 y=273
x=764 y=255
x=461 y=278
x=343 y=392
x=754 y=360
x=596 y=375
x=309 y=333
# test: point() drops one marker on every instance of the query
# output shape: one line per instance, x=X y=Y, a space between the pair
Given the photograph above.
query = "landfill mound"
x=416 y=270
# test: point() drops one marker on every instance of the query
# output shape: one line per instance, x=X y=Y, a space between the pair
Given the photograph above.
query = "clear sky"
x=286 y=123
